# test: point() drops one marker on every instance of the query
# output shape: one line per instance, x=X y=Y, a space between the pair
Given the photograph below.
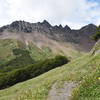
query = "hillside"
x=83 y=70
x=15 y=54
x=8 y=45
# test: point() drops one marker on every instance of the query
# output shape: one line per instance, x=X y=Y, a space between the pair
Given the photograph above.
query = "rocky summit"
x=43 y=32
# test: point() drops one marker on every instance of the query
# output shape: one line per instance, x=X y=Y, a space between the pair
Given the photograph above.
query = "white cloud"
x=74 y=13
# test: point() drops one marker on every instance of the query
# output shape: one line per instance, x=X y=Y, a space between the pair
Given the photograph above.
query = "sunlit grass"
x=38 y=88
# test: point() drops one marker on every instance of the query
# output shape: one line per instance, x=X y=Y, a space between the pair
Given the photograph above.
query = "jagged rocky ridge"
x=81 y=37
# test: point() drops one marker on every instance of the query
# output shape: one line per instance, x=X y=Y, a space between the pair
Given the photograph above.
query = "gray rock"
x=81 y=37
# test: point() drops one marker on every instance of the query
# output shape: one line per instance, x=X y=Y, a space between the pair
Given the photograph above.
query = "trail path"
x=61 y=93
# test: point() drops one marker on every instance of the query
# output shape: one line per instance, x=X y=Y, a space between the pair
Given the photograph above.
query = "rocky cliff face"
x=46 y=32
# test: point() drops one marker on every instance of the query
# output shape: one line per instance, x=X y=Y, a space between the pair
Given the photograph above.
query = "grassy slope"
x=9 y=61
x=37 y=53
x=7 y=45
x=89 y=89
x=37 y=88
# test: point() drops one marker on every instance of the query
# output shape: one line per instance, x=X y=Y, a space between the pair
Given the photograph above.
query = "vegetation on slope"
x=22 y=59
x=30 y=71
x=85 y=69
x=38 y=88
x=39 y=53
x=15 y=54
x=96 y=36
x=90 y=85
x=89 y=89
x=96 y=48
x=8 y=45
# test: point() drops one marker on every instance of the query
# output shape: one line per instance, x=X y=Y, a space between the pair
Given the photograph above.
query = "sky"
x=74 y=13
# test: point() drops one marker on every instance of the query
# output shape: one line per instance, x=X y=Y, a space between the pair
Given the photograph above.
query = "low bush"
x=18 y=75
x=96 y=36
x=22 y=59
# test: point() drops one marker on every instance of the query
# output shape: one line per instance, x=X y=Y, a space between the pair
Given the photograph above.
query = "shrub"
x=22 y=59
x=96 y=36
x=30 y=71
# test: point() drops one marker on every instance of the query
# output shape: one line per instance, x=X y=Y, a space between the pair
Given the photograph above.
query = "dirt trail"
x=61 y=93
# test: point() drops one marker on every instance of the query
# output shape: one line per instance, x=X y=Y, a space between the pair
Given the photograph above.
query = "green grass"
x=14 y=75
x=9 y=60
x=96 y=36
x=22 y=59
x=7 y=46
x=39 y=53
x=89 y=89
x=85 y=69
x=38 y=88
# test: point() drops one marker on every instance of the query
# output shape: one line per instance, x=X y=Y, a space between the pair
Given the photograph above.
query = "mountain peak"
x=18 y=26
x=60 y=26
x=67 y=27
x=57 y=32
x=45 y=22
x=16 y=23
x=89 y=26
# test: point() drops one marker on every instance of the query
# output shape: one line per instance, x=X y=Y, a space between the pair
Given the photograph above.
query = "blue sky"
x=75 y=13
x=95 y=0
